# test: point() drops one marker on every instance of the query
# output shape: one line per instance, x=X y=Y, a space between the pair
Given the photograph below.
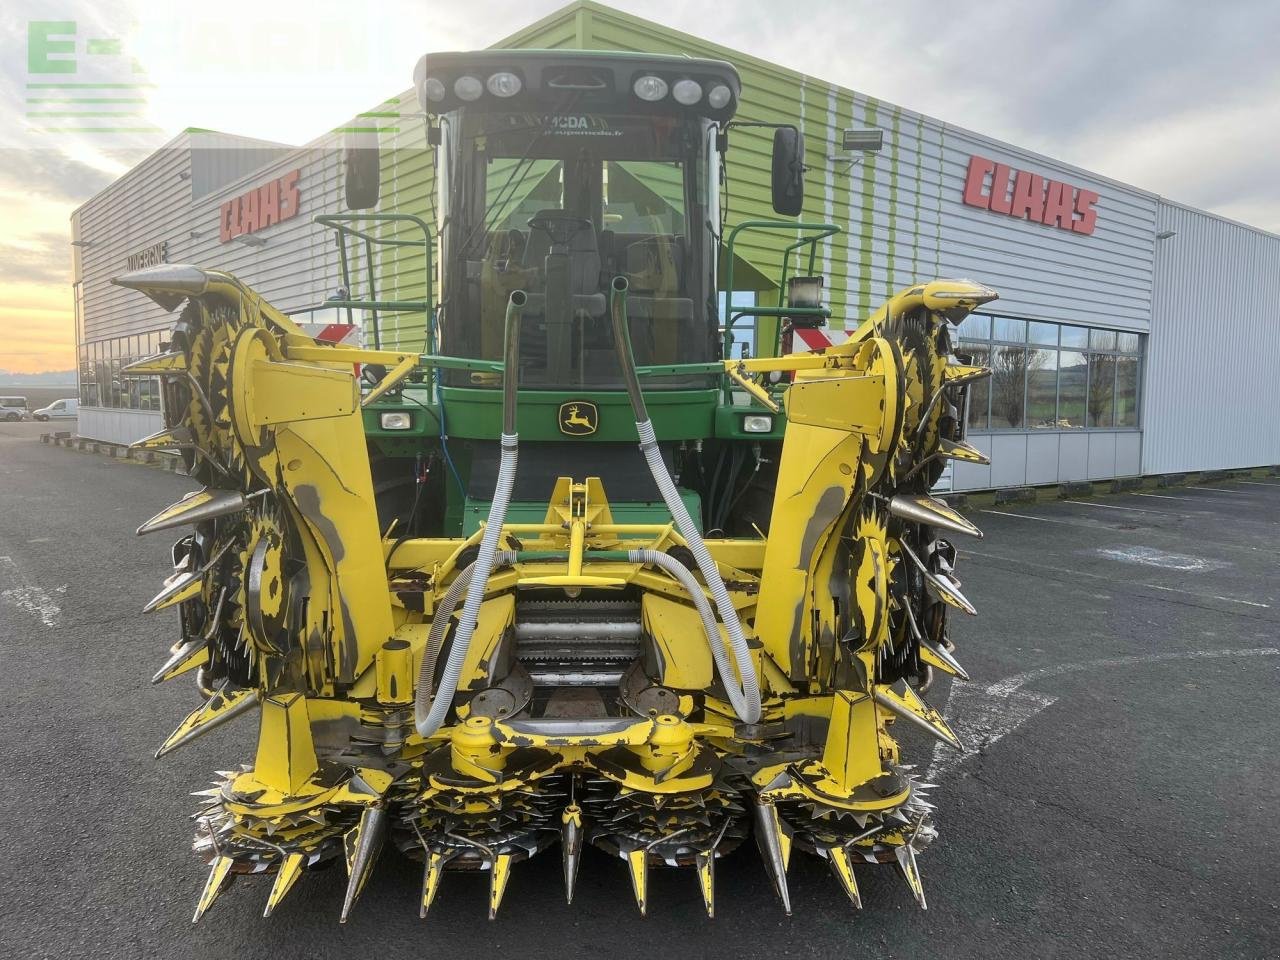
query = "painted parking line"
x=1097 y=576
x=1114 y=506
x=1030 y=516
x=1260 y=483
x=1218 y=490
x=1165 y=496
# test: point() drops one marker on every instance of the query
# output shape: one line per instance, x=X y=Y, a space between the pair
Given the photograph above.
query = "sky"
x=1180 y=97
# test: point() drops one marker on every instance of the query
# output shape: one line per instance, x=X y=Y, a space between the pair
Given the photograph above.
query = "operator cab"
x=560 y=171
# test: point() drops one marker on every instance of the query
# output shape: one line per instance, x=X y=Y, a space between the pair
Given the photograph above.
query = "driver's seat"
x=584 y=252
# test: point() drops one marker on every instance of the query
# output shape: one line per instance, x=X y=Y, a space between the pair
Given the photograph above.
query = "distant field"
x=39 y=396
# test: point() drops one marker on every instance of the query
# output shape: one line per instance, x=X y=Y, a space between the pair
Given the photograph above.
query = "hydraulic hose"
x=482 y=568
x=744 y=696
x=750 y=710
x=440 y=624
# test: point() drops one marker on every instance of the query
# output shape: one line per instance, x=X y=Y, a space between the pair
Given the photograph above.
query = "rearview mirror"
x=364 y=170
x=788 y=171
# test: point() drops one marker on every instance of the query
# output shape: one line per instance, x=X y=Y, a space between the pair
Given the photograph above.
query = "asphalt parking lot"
x=1118 y=797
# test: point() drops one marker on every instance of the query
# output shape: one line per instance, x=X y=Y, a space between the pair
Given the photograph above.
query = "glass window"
x=1127 y=342
x=976 y=326
x=1126 y=391
x=1102 y=389
x=1073 y=378
x=1102 y=339
x=1009 y=329
x=1045 y=334
x=1042 y=388
x=1075 y=336
x=980 y=390
x=1008 y=387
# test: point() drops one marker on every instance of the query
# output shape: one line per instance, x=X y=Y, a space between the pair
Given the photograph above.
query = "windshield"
x=557 y=206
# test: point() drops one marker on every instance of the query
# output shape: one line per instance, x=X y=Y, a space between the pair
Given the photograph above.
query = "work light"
x=719 y=96
x=468 y=88
x=687 y=92
x=396 y=421
x=504 y=84
x=433 y=89
x=650 y=88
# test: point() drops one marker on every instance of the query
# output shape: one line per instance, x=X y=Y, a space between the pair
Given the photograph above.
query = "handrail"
x=816 y=232
x=344 y=225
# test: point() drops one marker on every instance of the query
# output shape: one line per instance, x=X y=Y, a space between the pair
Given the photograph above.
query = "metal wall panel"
x=901 y=209
x=1212 y=396
x=296 y=265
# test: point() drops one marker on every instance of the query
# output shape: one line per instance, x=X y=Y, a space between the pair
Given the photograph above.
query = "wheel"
x=43 y=419
x=12 y=417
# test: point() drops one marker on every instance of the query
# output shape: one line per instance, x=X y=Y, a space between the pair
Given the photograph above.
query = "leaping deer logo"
x=578 y=418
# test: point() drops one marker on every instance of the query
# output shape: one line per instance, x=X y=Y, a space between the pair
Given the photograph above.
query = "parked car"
x=13 y=408
x=67 y=409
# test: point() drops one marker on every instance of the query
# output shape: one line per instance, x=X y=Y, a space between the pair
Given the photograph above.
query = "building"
x=1128 y=339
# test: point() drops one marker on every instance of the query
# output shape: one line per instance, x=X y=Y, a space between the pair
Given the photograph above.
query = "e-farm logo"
x=82 y=84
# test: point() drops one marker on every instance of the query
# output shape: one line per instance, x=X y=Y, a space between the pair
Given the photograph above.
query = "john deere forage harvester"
x=468 y=616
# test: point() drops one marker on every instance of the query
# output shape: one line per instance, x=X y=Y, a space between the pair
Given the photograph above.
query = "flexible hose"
x=744 y=696
x=485 y=560
x=440 y=624
x=679 y=512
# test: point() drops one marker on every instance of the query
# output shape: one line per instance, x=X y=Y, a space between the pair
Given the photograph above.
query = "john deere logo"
x=579 y=418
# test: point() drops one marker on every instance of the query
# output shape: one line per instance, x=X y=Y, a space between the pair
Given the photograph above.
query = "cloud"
x=50 y=174
x=44 y=258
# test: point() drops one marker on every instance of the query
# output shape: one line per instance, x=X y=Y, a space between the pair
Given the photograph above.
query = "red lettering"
x=224 y=221
x=1000 y=189
x=237 y=217
x=1057 y=205
x=250 y=206
x=290 y=196
x=1028 y=197
x=979 y=167
x=268 y=204
x=1085 y=199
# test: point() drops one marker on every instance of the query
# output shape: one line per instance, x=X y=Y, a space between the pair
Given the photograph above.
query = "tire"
x=43 y=419
x=12 y=417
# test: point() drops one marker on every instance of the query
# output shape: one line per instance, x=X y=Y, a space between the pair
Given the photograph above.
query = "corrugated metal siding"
x=297 y=267
x=1212 y=397
x=218 y=159
x=1043 y=272
x=901 y=209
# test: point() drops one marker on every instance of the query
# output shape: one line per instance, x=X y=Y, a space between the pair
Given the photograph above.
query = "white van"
x=13 y=408
x=59 y=410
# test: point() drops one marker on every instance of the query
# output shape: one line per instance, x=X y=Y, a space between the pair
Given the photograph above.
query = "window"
x=1051 y=376
x=1102 y=389
x=1073 y=381
x=1008 y=386
x=101 y=381
x=979 y=391
x=1042 y=387
x=1126 y=391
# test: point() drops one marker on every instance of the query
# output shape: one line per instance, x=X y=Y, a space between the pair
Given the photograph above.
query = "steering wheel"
x=560 y=229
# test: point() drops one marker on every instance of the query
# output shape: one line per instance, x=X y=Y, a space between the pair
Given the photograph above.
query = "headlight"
x=650 y=88
x=468 y=88
x=504 y=84
x=719 y=96
x=687 y=92
x=433 y=89
x=403 y=421
x=752 y=424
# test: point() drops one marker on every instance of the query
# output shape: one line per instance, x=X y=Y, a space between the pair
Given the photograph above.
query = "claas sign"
x=1028 y=196
x=275 y=201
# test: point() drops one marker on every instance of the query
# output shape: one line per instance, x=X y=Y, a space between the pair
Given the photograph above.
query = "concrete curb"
x=1076 y=490
x=115 y=451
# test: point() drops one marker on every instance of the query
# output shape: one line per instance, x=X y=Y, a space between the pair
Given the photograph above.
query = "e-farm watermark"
x=82 y=84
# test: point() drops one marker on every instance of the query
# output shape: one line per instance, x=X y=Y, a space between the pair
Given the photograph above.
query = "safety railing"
x=354 y=227
x=811 y=235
